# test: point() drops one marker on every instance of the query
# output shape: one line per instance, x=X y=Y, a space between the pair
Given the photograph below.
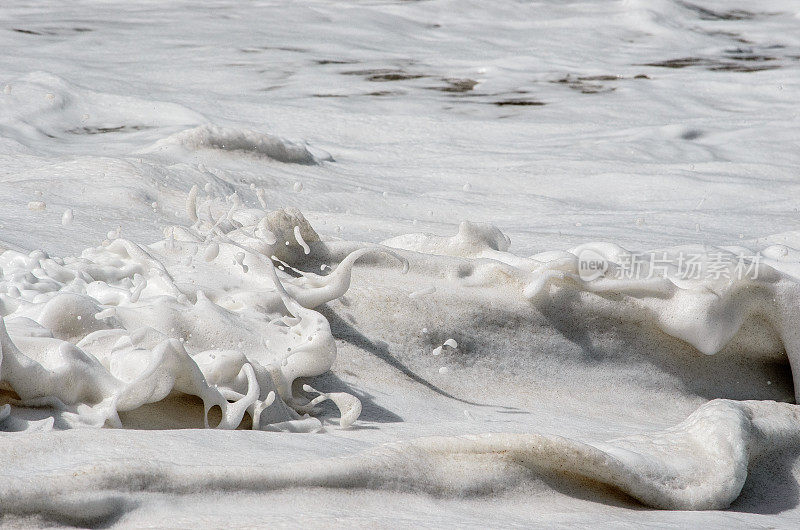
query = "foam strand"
x=349 y=406
x=315 y=290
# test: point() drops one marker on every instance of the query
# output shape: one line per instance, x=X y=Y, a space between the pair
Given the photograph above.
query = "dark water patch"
x=709 y=14
x=373 y=71
x=262 y=49
x=683 y=62
x=26 y=31
x=518 y=103
x=730 y=34
x=456 y=86
x=106 y=130
x=385 y=74
x=600 y=78
x=692 y=134
x=334 y=61
x=394 y=76
x=734 y=67
x=734 y=62
x=329 y=96
x=52 y=31
x=383 y=93
x=739 y=59
x=747 y=54
x=594 y=84
x=585 y=85
x=760 y=58
x=282 y=49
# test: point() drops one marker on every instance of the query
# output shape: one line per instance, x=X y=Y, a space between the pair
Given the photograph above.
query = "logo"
x=591 y=265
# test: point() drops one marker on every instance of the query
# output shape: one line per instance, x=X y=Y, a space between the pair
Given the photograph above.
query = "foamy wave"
x=206 y=312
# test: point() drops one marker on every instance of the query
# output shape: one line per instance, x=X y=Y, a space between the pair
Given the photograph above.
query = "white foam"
x=126 y=352
x=66 y=217
x=298 y=236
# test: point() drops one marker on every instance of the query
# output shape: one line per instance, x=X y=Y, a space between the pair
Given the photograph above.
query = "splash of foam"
x=202 y=312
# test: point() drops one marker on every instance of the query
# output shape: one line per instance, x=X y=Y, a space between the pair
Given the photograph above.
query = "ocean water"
x=400 y=263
